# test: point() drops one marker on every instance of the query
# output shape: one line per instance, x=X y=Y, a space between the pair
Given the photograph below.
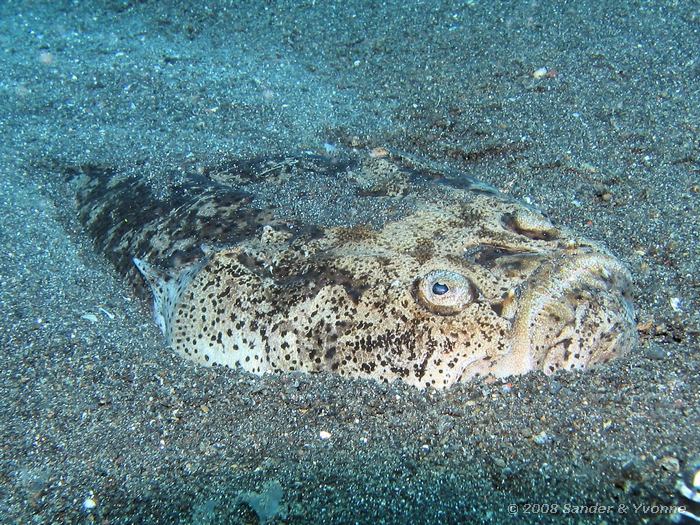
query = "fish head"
x=487 y=288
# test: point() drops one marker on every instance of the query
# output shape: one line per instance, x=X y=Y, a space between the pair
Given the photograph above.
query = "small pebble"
x=324 y=435
x=655 y=353
x=588 y=168
x=676 y=304
x=645 y=326
x=542 y=438
x=379 y=153
x=540 y=72
x=670 y=463
x=109 y=314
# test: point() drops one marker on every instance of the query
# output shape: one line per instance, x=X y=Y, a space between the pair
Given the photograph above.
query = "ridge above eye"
x=530 y=224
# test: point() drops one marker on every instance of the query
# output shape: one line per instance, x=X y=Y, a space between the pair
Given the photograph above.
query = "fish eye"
x=445 y=292
x=440 y=288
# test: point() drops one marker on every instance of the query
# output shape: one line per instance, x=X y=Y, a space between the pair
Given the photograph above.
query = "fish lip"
x=579 y=279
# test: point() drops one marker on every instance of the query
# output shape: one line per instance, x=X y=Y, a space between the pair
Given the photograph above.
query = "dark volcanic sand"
x=93 y=407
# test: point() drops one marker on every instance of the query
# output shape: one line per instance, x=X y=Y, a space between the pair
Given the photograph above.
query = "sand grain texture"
x=93 y=407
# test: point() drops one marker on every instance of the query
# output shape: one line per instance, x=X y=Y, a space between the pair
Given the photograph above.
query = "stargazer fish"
x=376 y=267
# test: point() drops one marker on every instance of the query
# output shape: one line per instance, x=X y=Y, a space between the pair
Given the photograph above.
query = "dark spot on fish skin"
x=497 y=308
x=470 y=216
x=423 y=251
x=322 y=275
x=359 y=232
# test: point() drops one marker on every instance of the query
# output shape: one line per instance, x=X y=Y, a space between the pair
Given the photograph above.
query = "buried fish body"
x=380 y=268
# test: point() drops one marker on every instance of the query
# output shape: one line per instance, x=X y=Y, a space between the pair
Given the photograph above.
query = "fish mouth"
x=575 y=311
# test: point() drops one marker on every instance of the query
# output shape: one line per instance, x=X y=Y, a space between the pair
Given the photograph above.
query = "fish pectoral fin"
x=167 y=287
x=158 y=282
x=152 y=274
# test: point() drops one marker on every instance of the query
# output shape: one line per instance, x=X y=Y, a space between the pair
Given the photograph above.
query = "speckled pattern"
x=462 y=283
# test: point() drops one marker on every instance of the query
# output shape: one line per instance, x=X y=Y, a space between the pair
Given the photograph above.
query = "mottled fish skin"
x=464 y=283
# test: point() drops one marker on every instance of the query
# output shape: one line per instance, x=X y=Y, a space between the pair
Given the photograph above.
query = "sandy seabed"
x=588 y=110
